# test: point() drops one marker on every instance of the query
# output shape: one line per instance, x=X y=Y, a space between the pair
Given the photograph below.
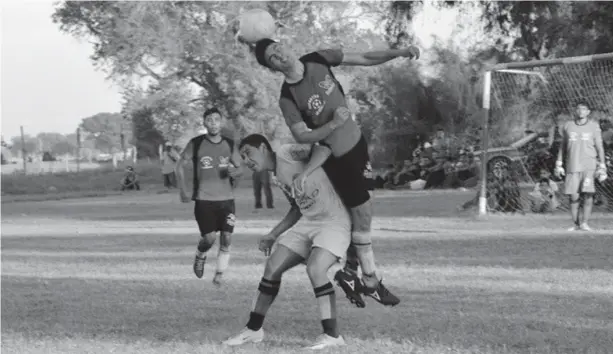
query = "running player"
x=320 y=242
x=216 y=165
x=584 y=156
x=310 y=98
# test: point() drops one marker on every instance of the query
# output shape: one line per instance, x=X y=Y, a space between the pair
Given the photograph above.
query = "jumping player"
x=584 y=156
x=310 y=99
x=216 y=165
x=321 y=242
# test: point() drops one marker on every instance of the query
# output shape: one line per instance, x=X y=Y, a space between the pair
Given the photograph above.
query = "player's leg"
x=227 y=219
x=257 y=189
x=281 y=260
x=329 y=245
x=267 y=189
x=572 y=187
x=588 y=189
x=353 y=183
x=205 y=217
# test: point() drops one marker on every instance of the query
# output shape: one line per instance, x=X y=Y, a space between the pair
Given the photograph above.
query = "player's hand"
x=601 y=173
x=341 y=115
x=265 y=243
x=298 y=186
x=558 y=171
x=233 y=171
x=411 y=52
x=184 y=197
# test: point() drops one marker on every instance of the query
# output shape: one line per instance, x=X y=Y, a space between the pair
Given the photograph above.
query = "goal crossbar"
x=549 y=62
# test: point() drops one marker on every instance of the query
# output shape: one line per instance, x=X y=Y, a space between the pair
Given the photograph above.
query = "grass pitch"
x=114 y=274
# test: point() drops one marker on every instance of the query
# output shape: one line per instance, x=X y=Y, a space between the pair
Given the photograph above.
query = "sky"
x=47 y=80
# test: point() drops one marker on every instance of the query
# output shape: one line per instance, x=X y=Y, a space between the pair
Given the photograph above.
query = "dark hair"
x=255 y=140
x=260 y=50
x=544 y=180
x=582 y=103
x=210 y=111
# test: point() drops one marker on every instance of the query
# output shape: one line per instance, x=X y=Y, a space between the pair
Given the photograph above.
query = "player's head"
x=213 y=121
x=582 y=109
x=274 y=55
x=256 y=152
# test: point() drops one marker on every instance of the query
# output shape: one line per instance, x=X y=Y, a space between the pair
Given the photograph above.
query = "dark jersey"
x=211 y=169
x=315 y=98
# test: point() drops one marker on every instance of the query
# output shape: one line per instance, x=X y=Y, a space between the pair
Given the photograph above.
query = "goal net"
x=525 y=103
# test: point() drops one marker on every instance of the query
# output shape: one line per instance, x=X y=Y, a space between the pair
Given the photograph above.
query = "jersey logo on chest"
x=327 y=84
x=206 y=162
x=315 y=105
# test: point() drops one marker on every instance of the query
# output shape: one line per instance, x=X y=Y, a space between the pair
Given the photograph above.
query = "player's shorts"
x=351 y=174
x=334 y=237
x=579 y=182
x=215 y=215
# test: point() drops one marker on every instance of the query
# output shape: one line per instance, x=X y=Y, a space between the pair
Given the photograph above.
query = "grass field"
x=113 y=274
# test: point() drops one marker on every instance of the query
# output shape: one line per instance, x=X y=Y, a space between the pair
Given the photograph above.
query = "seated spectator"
x=543 y=198
x=130 y=180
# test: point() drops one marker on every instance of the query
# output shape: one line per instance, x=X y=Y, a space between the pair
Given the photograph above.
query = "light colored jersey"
x=581 y=141
x=168 y=163
x=319 y=200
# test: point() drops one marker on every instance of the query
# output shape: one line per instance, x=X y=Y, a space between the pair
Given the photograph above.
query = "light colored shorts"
x=579 y=182
x=334 y=237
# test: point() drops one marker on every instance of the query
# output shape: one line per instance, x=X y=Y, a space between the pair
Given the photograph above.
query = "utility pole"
x=23 y=150
x=78 y=149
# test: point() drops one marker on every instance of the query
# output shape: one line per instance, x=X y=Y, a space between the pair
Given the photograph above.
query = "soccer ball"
x=256 y=24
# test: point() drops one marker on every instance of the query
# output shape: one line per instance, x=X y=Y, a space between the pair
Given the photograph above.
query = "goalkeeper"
x=582 y=154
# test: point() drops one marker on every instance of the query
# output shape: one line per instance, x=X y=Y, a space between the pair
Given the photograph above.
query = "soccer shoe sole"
x=353 y=296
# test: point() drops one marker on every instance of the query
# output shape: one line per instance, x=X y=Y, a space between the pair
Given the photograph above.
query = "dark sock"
x=255 y=321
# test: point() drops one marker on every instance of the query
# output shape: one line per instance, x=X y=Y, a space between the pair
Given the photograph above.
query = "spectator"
x=130 y=180
x=544 y=198
x=169 y=161
x=261 y=180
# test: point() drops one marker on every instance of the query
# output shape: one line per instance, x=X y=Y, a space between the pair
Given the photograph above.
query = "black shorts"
x=351 y=174
x=213 y=216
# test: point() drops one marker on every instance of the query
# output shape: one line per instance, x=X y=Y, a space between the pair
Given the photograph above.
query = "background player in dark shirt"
x=216 y=163
x=314 y=106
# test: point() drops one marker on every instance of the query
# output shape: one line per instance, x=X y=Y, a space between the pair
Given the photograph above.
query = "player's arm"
x=319 y=155
x=562 y=148
x=184 y=157
x=372 y=57
x=302 y=134
x=290 y=219
x=599 y=146
x=235 y=160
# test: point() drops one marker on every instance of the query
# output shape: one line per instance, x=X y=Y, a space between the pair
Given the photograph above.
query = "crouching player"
x=321 y=242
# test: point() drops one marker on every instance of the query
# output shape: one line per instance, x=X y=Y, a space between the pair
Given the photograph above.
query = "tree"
x=105 y=130
x=192 y=43
x=31 y=144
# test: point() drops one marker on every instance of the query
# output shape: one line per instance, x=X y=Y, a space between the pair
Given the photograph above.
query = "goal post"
x=523 y=104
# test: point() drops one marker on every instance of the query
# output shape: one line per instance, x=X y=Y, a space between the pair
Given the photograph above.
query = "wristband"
x=558 y=163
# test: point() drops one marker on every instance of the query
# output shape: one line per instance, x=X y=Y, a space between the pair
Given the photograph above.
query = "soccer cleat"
x=382 y=295
x=326 y=341
x=199 y=266
x=574 y=228
x=351 y=285
x=217 y=278
x=585 y=227
x=245 y=336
